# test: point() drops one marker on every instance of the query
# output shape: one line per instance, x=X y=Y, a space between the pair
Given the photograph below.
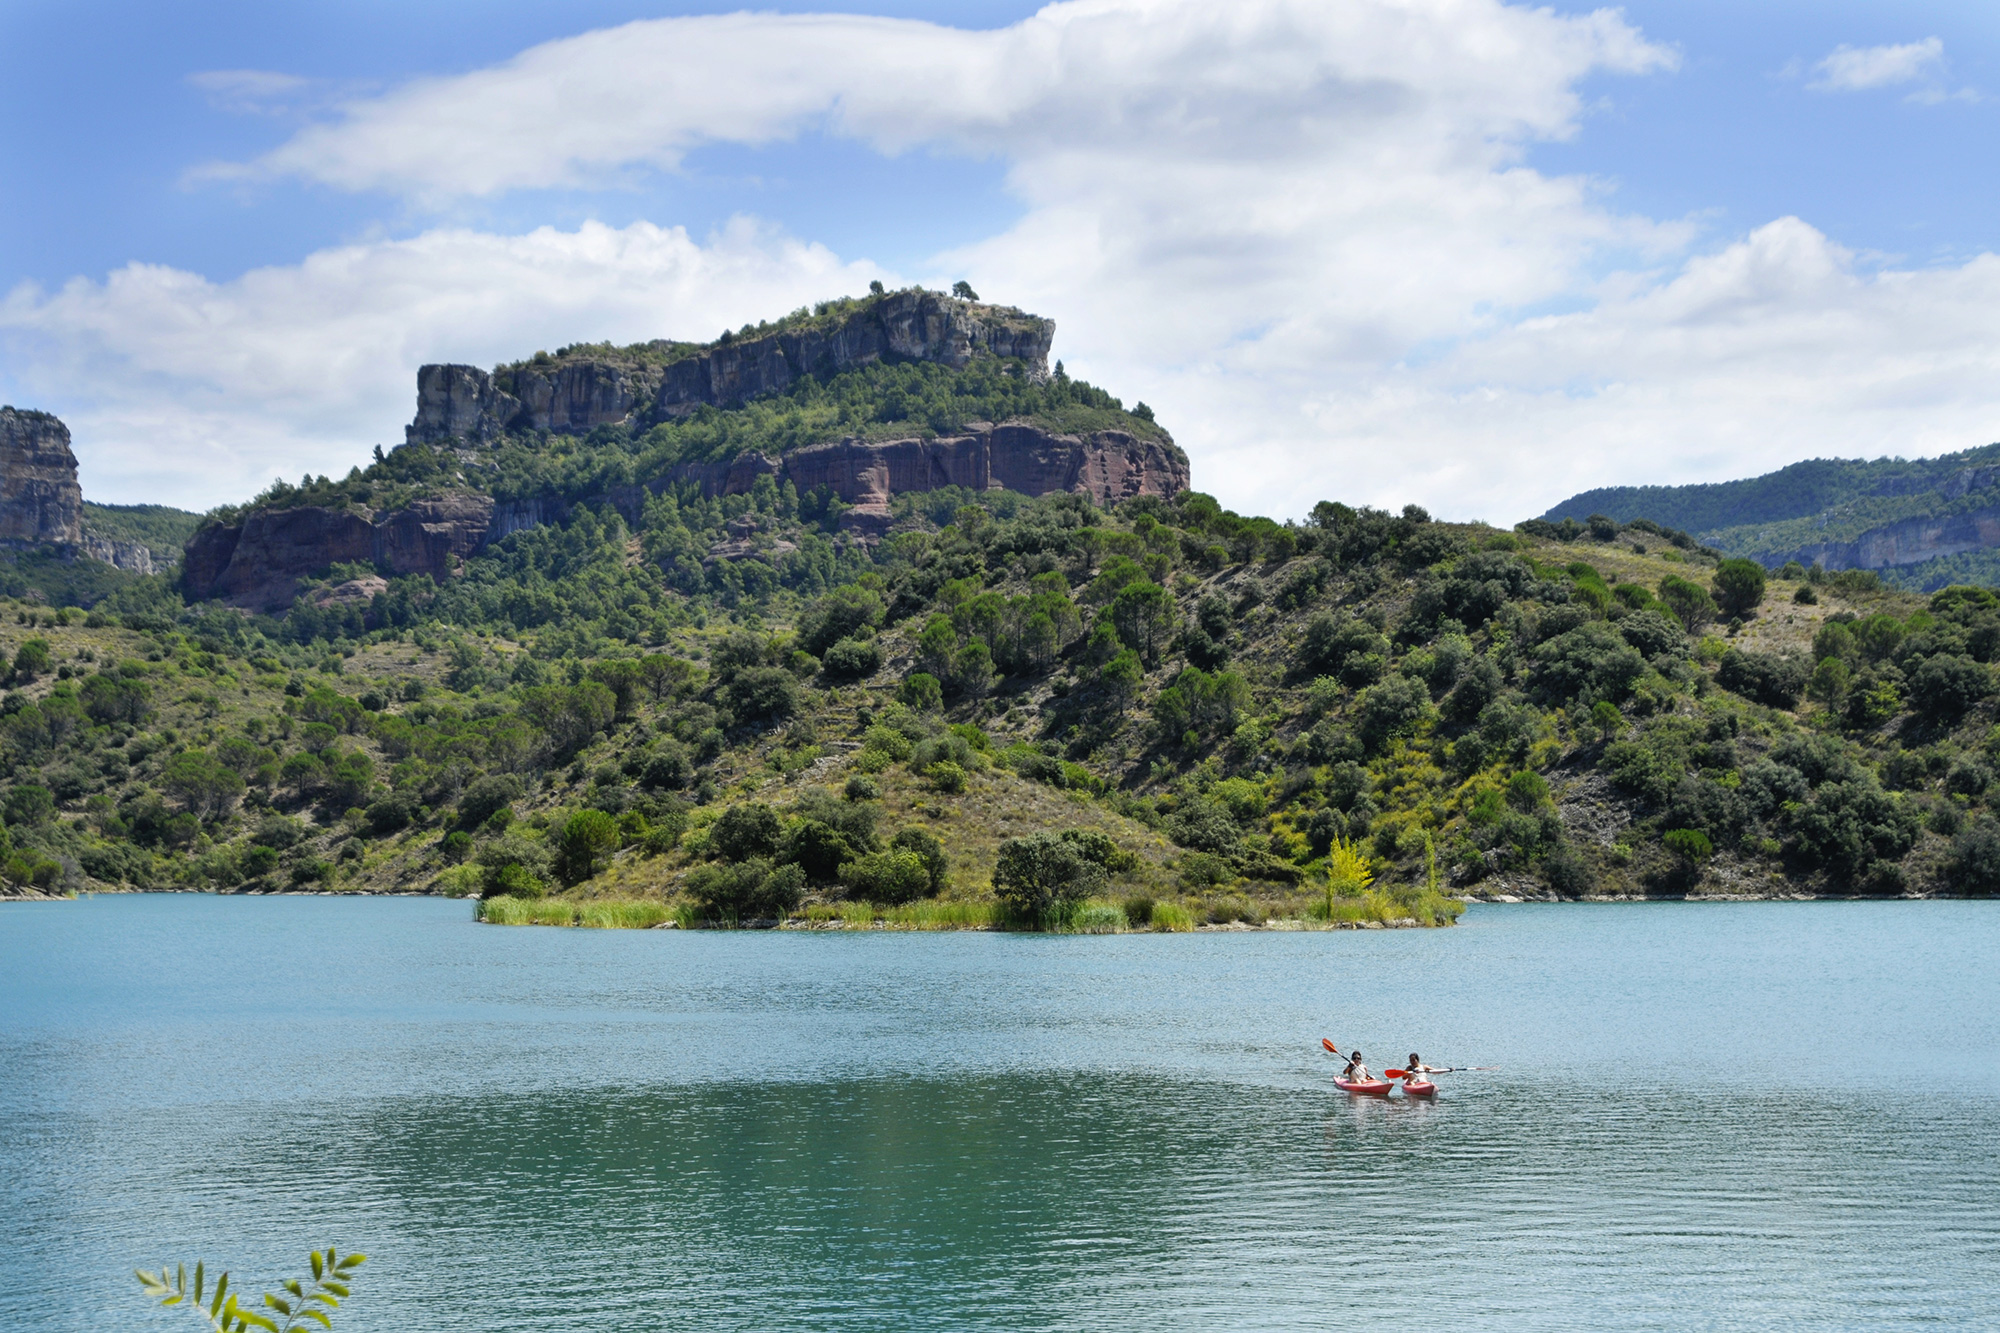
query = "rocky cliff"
x=41 y=504
x=573 y=394
x=259 y=561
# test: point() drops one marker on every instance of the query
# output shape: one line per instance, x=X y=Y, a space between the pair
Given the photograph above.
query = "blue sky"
x=1687 y=245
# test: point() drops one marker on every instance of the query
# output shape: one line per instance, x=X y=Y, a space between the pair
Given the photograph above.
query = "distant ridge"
x=1922 y=522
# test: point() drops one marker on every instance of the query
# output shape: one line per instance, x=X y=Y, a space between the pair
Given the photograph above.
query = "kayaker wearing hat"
x=1356 y=1072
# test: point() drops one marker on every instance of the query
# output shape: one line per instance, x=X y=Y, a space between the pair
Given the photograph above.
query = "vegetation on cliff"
x=886 y=400
x=594 y=724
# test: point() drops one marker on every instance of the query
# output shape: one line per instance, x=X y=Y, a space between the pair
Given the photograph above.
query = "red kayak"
x=1378 y=1088
x=1419 y=1088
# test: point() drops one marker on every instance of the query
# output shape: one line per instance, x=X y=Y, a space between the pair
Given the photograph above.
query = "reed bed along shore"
x=1094 y=916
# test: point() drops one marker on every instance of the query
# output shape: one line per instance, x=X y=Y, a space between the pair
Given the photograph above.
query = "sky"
x=1466 y=254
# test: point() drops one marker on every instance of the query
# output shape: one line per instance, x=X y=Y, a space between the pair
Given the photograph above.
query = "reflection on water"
x=1076 y=1139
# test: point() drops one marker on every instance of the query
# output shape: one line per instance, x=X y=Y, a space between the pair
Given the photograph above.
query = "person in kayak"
x=1416 y=1069
x=1356 y=1072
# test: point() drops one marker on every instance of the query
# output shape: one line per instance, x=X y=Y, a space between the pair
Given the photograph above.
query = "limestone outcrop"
x=41 y=505
x=40 y=502
x=644 y=386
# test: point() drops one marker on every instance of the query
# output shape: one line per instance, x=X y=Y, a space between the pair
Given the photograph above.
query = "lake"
x=1740 y=1115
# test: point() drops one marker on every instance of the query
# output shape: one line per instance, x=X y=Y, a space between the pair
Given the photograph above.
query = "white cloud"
x=1301 y=229
x=185 y=391
x=1853 y=69
x=250 y=91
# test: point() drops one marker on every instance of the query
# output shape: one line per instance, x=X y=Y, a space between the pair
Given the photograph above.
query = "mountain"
x=1923 y=523
x=807 y=650
x=848 y=406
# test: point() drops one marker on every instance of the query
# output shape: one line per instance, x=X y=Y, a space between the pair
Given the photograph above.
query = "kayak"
x=1419 y=1088
x=1378 y=1088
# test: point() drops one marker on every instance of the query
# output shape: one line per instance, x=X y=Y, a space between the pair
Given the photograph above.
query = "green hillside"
x=162 y=529
x=726 y=709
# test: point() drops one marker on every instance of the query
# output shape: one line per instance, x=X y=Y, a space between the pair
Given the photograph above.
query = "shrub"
x=1690 y=845
x=1764 y=678
x=921 y=691
x=1972 y=865
x=886 y=741
x=852 y=659
x=1099 y=847
x=925 y=846
x=1393 y=708
x=28 y=804
x=816 y=848
x=946 y=777
x=1199 y=871
x=1139 y=912
x=891 y=877
x=753 y=888
x=861 y=787
x=745 y=831
x=1204 y=826
x=388 y=814
x=485 y=797
x=457 y=845
x=668 y=768
x=837 y=617
x=1040 y=874
x=512 y=880
x=761 y=694
x=1944 y=688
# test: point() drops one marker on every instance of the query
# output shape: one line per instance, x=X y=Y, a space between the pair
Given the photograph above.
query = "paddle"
x=1331 y=1048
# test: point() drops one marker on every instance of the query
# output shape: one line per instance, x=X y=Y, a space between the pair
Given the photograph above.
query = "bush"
x=837 y=617
x=746 y=831
x=512 y=880
x=1393 y=708
x=485 y=797
x=852 y=659
x=761 y=694
x=1764 y=677
x=1972 y=865
x=1944 y=688
x=816 y=848
x=1100 y=848
x=861 y=787
x=1200 y=871
x=925 y=846
x=457 y=845
x=1139 y=912
x=922 y=692
x=668 y=768
x=389 y=814
x=891 y=877
x=946 y=777
x=753 y=888
x=1041 y=874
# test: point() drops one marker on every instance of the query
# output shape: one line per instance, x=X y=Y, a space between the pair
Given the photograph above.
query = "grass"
x=1095 y=916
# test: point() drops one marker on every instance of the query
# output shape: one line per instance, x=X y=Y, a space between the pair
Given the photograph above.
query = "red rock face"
x=259 y=562
x=1108 y=466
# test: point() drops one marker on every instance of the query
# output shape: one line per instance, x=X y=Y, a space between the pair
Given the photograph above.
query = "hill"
x=644 y=699
x=1922 y=523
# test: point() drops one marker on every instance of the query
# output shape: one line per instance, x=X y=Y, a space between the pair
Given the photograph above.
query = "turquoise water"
x=1738 y=1116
